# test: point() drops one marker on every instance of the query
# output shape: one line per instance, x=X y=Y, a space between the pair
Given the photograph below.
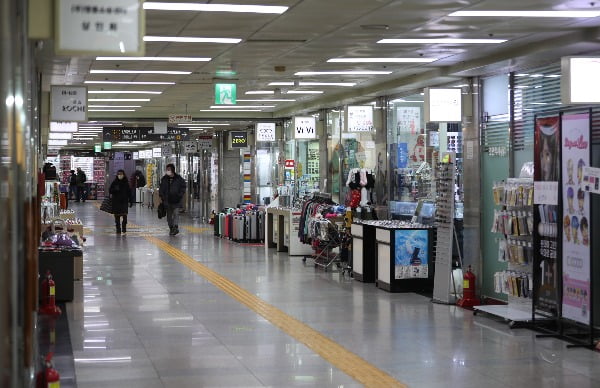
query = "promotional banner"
x=359 y=118
x=408 y=124
x=412 y=253
x=545 y=239
x=576 y=218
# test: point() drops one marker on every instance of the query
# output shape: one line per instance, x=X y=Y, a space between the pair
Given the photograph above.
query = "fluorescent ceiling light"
x=128 y=83
x=157 y=59
x=111 y=110
x=57 y=142
x=352 y=72
x=443 y=41
x=230 y=110
x=260 y=92
x=160 y=6
x=122 y=92
x=190 y=39
x=304 y=92
x=118 y=99
x=60 y=135
x=530 y=14
x=240 y=106
x=303 y=83
x=60 y=126
x=269 y=100
x=170 y=72
x=209 y=123
x=281 y=84
x=381 y=60
x=114 y=106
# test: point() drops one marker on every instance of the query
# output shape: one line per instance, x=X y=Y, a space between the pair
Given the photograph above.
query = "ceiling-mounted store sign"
x=59 y=126
x=156 y=152
x=359 y=118
x=167 y=151
x=179 y=119
x=94 y=27
x=238 y=139
x=189 y=147
x=290 y=163
x=136 y=155
x=160 y=127
x=265 y=132
x=68 y=103
x=580 y=80
x=144 y=134
x=146 y=154
x=205 y=142
x=305 y=127
x=225 y=94
x=443 y=105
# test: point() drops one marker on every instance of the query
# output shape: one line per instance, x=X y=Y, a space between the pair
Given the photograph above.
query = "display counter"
x=65 y=265
x=364 y=246
x=405 y=256
x=282 y=226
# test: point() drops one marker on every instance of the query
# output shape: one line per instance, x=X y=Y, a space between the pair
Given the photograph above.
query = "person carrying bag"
x=122 y=198
x=171 y=192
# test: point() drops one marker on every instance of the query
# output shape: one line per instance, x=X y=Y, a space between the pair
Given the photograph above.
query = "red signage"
x=290 y=163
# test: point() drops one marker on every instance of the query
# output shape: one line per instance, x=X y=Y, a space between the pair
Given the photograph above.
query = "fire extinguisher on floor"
x=48 y=290
x=48 y=377
x=469 y=298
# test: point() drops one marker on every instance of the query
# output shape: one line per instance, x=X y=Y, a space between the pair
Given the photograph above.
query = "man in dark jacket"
x=171 y=192
x=81 y=178
x=73 y=194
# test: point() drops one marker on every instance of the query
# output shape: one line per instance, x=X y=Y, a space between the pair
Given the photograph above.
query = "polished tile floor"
x=143 y=319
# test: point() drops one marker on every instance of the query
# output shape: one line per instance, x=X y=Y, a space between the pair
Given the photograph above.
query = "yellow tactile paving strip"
x=340 y=357
x=194 y=229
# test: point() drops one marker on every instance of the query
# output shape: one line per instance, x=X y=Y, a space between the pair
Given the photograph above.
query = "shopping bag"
x=107 y=205
x=161 y=210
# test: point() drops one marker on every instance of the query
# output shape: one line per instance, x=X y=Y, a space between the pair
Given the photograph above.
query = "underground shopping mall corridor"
x=198 y=311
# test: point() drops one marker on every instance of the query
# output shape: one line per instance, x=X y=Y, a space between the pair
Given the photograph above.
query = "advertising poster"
x=546 y=174
x=412 y=254
x=576 y=218
x=359 y=118
x=408 y=124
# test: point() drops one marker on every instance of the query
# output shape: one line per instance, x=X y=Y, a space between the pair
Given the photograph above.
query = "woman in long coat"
x=122 y=198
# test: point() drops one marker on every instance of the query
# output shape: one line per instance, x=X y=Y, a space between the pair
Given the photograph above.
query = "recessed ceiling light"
x=111 y=110
x=304 y=92
x=443 y=41
x=260 y=92
x=170 y=72
x=530 y=14
x=118 y=99
x=352 y=72
x=281 y=83
x=157 y=59
x=128 y=83
x=160 y=6
x=114 y=106
x=122 y=92
x=241 y=106
x=381 y=60
x=190 y=39
x=349 y=84
x=269 y=100
x=230 y=110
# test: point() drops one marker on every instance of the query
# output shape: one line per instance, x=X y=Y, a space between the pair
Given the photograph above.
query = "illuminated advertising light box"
x=238 y=139
x=580 y=80
x=443 y=105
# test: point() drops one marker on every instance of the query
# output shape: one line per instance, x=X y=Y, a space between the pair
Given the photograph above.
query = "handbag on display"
x=107 y=205
x=60 y=238
x=161 y=210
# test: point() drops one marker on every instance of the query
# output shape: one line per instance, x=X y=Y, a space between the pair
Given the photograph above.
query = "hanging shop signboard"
x=179 y=119
x=591 y=179
x=189 y=147
x=443 y=105
x=160 y=127
x=545 y=238
x=305 y=127
x=580 y=80
x=144 y=134
x=156 y=152
x=359 y=118
x=94 y=27
x=68 y=103
x=225 y=94
x=412 y=253
x=205 y=142
x=167 y=151
x=290 y=163
x=238 y=139
x=576 y=222
x=136 y=155
x=265 y=132
x=57 y=126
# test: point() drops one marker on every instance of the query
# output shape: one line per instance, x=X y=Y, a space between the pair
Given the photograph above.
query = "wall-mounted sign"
x=146 y=154
x=238 y=139
x=94 y=27
x=205 y=142
x=144 y=134
x=290 y=163
x=97 y=147
x=179 y=119
x=156 y=152
x=225 y=94
x=359 y=118
x=68 y=103
x=265 y=132
x=107 y=145
x=305 y=127
x=443 y=105
x=136 y=155
x=580 y=80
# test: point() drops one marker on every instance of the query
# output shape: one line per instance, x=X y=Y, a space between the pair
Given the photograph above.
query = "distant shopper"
x=171 y=192
x=73 y=185
x=80 y=180
x=140 y=181
x=122 y=198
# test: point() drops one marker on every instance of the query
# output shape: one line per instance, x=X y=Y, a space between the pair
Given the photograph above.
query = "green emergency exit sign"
x=225 y=94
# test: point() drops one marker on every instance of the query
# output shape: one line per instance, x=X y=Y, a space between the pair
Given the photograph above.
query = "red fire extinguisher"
x=48 y=377
x=469 y=298
x=48 y=289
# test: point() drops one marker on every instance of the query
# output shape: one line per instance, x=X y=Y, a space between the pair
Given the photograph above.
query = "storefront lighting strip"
x=190 y=39
x=241 y=106
x=381 y=60
x=160 y=6
x=156 y=59
x=529 y=14
x=169 y=72
x=353 y=72
x=442 y=41
x=118 y=99
x=123 y=92
x=128 y=83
